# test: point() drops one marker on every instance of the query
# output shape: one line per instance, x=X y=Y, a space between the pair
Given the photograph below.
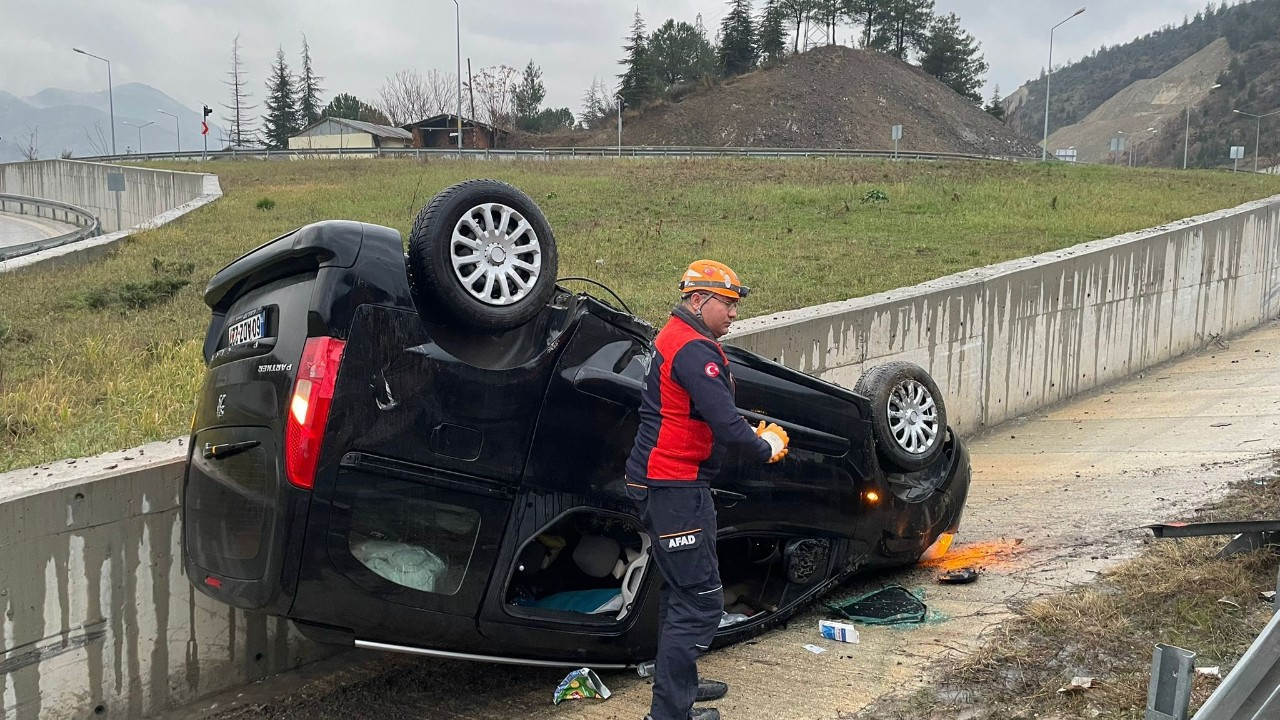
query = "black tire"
x=514 y=273
x=904 y=442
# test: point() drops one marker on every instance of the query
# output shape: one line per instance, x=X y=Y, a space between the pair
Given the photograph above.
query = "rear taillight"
x=309 y=408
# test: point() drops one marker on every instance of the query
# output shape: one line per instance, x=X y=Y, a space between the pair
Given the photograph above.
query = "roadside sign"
x=115 y=181
x=1117 y=144
x=897 y=132
x=1065 y=154
x=1237 y=152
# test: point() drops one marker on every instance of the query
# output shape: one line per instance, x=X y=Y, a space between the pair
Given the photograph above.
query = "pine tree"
x=281 y=119
x=952 y=55
x=240 y=132
x=679 y=53
x=904 y=25
x=795 y=11
x=596 y=105
x=773 y=31
x=309 y=90
x=527 y=96
x=350 y=107
x=638 y=82
x=868 y=14
x=738 y=50
x=995 y=106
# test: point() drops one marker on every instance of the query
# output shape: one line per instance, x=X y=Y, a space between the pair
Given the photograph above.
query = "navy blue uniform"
x=687 y=407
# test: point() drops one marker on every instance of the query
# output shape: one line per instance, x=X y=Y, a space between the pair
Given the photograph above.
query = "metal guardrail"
x=87 y=223
x=557 y=152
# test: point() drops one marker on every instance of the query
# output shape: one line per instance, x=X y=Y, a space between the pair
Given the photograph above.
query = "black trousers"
x=681 y=522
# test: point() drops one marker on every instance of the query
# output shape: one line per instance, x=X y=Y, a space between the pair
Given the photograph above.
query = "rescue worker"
x=687 y=408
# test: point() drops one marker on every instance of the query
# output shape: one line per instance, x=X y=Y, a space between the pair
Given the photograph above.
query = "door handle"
x=226 y=450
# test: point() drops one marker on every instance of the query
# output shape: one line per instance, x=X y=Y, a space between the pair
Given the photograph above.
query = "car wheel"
x=482 y=254
x=908 y=416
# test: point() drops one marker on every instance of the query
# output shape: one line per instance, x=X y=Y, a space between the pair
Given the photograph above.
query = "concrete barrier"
x=150 y=199
x=98 y=617
x=1006 y=339
x=147 y=193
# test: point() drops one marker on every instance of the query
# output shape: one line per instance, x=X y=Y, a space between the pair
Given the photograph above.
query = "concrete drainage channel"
x=98 y=617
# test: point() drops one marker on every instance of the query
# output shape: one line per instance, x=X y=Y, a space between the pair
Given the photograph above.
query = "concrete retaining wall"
x=147 y=193
x=96 y=610
x=97 y=618
x=1006 y=339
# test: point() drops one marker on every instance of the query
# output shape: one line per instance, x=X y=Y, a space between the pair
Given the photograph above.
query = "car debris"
x=892 y=605
x=961 y=576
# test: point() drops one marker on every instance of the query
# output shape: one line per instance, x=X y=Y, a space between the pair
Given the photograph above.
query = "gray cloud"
x=182 y=47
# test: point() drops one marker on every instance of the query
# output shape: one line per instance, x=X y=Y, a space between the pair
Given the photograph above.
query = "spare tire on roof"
x=482 y=256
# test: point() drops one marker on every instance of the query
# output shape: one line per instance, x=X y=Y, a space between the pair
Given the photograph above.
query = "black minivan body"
x=385 y=469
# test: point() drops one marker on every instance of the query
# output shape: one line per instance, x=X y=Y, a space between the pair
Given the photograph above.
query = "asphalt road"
x=21 y=229
x=1057 y=497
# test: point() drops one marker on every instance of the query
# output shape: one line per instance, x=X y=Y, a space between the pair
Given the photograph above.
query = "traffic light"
x=204 y=121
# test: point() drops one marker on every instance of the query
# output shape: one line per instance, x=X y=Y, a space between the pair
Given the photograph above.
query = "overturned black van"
x=424 y=452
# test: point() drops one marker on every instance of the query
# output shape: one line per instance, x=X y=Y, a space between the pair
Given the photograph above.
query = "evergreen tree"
x=309 y=89
x=527 y=96
x=868 y=14
x=637 y=86
x=281 y=119
x=903 y=26
x=952 y=55
x=738 y=50
x=773 y=31
x=795 y=11
x=995 y=106
x=348 y=106
x=680 y=53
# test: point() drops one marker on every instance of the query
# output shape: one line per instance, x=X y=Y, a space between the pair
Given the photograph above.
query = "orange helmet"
x=713 y=277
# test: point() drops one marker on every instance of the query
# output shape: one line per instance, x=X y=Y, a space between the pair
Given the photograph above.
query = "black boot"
x=704 y=714
x=710 y=690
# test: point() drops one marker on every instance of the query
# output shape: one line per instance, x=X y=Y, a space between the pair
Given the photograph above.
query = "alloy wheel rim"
x=496 y=254
x=913 y=417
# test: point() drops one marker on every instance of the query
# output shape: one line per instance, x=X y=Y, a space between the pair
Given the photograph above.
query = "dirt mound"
x=830 y=97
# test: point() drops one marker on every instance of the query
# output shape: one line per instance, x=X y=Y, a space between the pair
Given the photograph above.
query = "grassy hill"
x=105 y=356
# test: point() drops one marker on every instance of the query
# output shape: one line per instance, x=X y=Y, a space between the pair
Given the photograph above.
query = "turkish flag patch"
x=712 y=370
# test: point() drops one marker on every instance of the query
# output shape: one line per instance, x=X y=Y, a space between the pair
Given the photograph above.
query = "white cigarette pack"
x=838 y=631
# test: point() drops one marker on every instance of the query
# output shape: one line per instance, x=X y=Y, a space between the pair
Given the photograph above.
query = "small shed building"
x=440 y=131
x=340 y=133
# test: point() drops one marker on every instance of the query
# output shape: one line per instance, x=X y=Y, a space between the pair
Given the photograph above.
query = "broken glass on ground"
x=892 y=605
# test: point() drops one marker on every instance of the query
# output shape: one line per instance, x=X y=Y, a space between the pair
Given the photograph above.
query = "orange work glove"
x=777 y=439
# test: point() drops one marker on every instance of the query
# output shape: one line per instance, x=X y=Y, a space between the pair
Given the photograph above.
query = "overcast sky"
x=182 y=47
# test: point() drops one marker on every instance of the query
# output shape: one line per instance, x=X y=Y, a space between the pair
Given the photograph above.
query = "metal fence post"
x=1169 y=693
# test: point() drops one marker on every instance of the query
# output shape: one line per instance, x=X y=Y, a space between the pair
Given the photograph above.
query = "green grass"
x=105 y=356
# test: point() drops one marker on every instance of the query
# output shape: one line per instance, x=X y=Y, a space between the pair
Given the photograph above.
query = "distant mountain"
x=62 y=120
x=1154 y=81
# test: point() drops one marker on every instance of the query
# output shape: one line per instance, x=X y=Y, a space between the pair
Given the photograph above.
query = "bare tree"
x=440 y=92
x=97 y=140
x=492 y=87
x=29 y=144
x=403 y=97
x=239 y=119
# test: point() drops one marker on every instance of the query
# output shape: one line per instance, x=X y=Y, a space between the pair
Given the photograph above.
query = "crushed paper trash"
x=816 y=650
x=1212 y=671
x=1078 y=684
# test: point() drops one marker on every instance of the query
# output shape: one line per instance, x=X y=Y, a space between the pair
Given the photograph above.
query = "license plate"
x=249 y=330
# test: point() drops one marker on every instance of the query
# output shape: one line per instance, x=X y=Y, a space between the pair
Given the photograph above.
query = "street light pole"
x=1257 y=133
x=1044 y=151
x=126 y=122
x=176 y=129
x=110 y=96
x=457 y=27
x=619 y=97
x=1186 y=137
